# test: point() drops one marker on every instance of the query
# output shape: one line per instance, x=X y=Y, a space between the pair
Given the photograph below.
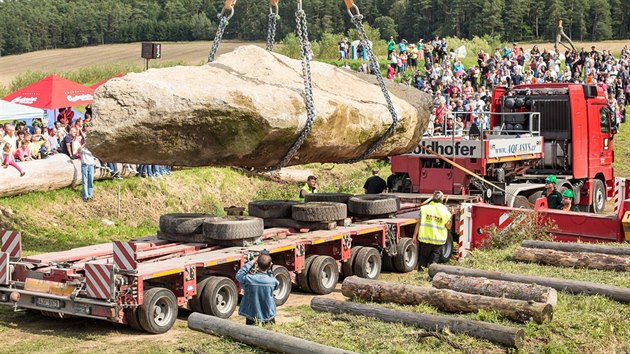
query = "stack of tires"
x=371 y=206
x=205 y=228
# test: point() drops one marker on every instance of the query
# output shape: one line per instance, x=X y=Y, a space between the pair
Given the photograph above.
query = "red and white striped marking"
x=5 y=270
x=620 y=192
x=99 y=279
x=465 y=230
x=125 y=255
x=11 y=243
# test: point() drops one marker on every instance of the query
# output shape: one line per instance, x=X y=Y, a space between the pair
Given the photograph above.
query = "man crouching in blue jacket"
x=258 y=305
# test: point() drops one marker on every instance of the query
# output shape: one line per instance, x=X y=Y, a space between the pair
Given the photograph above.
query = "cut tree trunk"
x=55 y=172
x=573 y=259
x=577 y=247
x=570 y=286
x=253 y=335
x=447 y=300
x=496 y=288
x=512 y=337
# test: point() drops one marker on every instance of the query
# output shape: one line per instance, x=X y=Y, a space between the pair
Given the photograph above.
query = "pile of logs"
x=574 y=255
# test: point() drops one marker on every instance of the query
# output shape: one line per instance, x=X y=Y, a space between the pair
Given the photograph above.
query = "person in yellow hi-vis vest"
x=309 y=187
x=435 y=221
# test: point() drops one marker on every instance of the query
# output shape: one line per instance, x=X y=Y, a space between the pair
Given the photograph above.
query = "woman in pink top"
x=23 y=153
x=8 y=159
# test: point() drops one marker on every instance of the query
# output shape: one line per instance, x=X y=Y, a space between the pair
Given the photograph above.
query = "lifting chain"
x=224 y=18
x=271 y=24
x=357 y=21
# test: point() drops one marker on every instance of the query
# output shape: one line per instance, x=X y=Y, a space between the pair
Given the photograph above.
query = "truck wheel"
x=158 y=311
x=195 y=301
x=368 y=263
x=302 y=278
x=271 y=209
x=373 y=205
x=281 y=295
x=131 y=315
x=599 y=197
x=219 y=297
x=319 y=211
x=520 y=202
x=323 y=275
x=346 y=267
x=406 y=258
x=233 y=228
x=446 y=251
x=327 y=197
x=534 y=197
x=183 y=223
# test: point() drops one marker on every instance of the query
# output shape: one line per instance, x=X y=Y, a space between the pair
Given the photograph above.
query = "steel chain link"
x=223 y=22
x=271 y=30
x=357 y=21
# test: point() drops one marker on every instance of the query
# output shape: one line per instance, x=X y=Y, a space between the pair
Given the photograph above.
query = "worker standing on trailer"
x=258 y=305
x=554 y=198
x=374 y=184
x=568 y=201
x=435 y=221
x=309 y=187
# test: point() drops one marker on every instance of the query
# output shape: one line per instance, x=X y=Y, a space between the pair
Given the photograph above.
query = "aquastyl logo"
x=84 y=97
x=24 y=100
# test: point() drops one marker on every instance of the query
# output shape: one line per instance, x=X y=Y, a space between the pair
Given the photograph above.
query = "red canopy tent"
x=53 y=92
x=98 y=84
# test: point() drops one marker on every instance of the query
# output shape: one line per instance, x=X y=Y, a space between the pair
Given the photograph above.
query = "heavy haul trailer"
x=534 y=131
x=145 y=281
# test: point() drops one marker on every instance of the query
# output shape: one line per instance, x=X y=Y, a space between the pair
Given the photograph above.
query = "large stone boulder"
x=247 y=109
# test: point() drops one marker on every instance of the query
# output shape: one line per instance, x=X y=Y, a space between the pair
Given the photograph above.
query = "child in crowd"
x=8 y=159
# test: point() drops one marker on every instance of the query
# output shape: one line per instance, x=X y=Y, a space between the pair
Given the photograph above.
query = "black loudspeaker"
x=151 y=50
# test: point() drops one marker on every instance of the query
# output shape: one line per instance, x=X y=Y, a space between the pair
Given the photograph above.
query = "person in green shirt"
x=568 y=200
x=390 y=47
x=554 y=198
x=309 y=187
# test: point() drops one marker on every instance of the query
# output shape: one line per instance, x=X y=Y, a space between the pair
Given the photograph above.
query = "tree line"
x=29 y=25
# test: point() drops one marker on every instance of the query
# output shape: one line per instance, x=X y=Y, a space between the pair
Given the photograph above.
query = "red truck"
x=533 y=131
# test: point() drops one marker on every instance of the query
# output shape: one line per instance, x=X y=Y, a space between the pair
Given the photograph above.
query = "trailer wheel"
x=346 y=267
x=323 y=275
x=183 y=223
x=319 y=211
x=281 y=295
x=233 y=228
x=302 y=278
x=446 y=251
x=534 y=196
x=219 y=297
x=195 y=301
x=373 y=204
x=599 y=197
x=270 y=209
x=327 y=197
x=131 y=315
x=158 y=312
x=368 y=263
x=520 y=202
x=406 y=258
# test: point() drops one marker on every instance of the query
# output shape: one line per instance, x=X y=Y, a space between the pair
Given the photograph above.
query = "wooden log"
x=577 y=247
x=444 y=299
x=570 y=286
x=294 y=224
x=573 y=259
x=496 y=288
x=253 y=335
x=512 y=337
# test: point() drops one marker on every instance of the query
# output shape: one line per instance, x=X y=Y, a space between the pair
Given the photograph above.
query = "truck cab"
x=531 y=131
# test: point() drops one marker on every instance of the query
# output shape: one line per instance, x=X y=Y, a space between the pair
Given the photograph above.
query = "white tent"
x=12 y=111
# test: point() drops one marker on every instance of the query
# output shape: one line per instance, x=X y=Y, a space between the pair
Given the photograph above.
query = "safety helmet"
x=551 y=179
x=568 y=194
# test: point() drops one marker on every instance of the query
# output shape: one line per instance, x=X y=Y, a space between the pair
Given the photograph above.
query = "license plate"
x=48 y=303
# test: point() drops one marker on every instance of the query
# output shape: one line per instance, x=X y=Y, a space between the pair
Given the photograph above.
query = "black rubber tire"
x=271 y=209
x=520 y=202
x=166 y=301
x=598 y=203
x=302 y=277
x=319 y=211
x=131 y=315
x=534 y=196
x=195 y=301
x=373 y=204
x=219 y=297
x=233 y=228
x=368 y=263
x=446 y=251
x=327 y=197
x=323 y=275
x=281 y=295
x=387 y=262
x=406 y=259
x=183 y=223
x=346 y=267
